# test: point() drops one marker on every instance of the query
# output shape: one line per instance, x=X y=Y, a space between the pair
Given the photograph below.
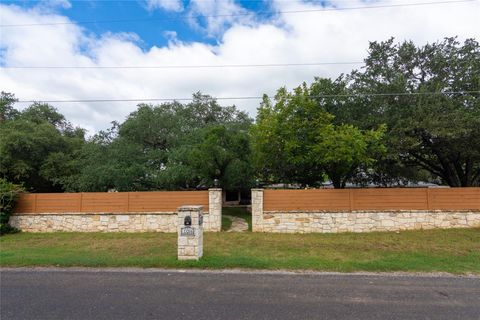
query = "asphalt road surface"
x=156 y=294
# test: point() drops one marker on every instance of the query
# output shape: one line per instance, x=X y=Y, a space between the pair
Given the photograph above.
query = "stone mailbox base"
x=190 y=237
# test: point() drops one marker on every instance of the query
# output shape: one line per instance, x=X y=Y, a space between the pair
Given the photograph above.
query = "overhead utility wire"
x=184 y=17
x=256 y=97
x=188 y=66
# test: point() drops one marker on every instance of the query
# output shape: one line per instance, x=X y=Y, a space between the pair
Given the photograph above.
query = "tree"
x=35 y=144
x=344 y=149
x=439 y=133
x=8 y=195
x=296 y=141
x=167 y=147
x=7 y=111
x=223 y=153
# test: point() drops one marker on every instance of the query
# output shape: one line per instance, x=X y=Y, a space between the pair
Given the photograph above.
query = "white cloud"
x=169 y=5
x=295 y=38
x=214 y=16
x=50 y=4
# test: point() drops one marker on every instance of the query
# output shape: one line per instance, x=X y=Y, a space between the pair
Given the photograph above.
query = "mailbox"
x=190 y=232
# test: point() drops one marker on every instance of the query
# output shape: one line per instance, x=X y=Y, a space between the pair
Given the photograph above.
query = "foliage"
x=378 y=125
x=344 y=149
x=169 y=146
x=8 y=196
x=296 y=141
x=7 y=112
x=223 y=153
x=37 y=146
x=436 y=133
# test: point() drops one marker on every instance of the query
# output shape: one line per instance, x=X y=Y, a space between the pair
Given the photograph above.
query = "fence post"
x=257 y=210
x=214 y=210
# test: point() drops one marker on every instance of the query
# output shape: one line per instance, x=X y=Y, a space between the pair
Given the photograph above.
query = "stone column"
x=190 y=232
x=214 y=210
x=257 y=210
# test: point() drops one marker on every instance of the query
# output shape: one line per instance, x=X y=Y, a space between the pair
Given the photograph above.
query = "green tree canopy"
x=295 y=140
x=36 y=146
x=168 y=146
x=438 y=133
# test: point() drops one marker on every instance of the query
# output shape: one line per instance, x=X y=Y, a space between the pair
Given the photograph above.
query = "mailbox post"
x=190 y=232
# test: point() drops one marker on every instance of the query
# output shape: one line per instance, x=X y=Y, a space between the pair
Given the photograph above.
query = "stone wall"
x=213 y=220
x=104 y=222
x=366 y=221
x=257 y=210
x=116 y=222
x=303 y=221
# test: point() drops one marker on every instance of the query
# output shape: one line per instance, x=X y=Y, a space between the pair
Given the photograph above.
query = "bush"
x=8 y=195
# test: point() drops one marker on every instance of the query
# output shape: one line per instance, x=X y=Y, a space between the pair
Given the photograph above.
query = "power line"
x=186 y=17
x=255 y=97
x=189 y=66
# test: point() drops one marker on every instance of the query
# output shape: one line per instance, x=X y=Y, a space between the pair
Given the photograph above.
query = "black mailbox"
x=187 y=221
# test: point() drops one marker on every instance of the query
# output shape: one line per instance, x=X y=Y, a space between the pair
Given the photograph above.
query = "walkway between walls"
x=238 y=224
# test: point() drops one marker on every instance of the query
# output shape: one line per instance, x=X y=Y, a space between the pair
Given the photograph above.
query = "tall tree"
x=164 y=147
x=36 y=146
x=296 y=140
x=223 y=153
x=7 y=111
x=440 y=132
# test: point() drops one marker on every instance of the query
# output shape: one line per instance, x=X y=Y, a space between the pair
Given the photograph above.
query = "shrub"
x=8 y=195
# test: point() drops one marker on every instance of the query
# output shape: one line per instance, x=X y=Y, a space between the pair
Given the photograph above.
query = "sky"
x=90 y=33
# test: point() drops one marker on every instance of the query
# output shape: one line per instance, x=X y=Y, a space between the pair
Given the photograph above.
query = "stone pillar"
x=257 y=210
x=214 y=210
x=190 y=232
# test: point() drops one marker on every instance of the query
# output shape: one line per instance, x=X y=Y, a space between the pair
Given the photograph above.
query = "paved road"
x=134 y=294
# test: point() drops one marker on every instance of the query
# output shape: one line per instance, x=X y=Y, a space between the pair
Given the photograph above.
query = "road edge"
x=239 y=271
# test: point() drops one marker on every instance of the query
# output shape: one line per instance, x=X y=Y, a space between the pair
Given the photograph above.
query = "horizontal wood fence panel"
x=58 y=202
x=295 y=200
x=455 y=199
x=114 y=202
x=372 y=199
x=25 y=203
x=389 y=199
x=166 y=201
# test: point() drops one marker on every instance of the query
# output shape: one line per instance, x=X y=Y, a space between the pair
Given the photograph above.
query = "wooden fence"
x=114 y=202
x=372 y=199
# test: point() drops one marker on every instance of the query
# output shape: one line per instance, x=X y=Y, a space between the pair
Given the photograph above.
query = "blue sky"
x=253 y=38
x=153 y=32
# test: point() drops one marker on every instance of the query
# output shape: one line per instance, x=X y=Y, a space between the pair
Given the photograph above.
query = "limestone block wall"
x=257 y=210
x=266 y=217
x=366 y=221
x=213 y=220
x=96 y=222
x=116 y=221
x=106 y=222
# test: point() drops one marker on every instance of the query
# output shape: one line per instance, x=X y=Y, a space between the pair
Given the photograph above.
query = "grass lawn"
x=226 y=223
x=454 y=250
x=239 y=212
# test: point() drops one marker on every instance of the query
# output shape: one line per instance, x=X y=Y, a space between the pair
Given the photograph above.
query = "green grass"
x=241 y=212
x=454 y=251
x=226 y=223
